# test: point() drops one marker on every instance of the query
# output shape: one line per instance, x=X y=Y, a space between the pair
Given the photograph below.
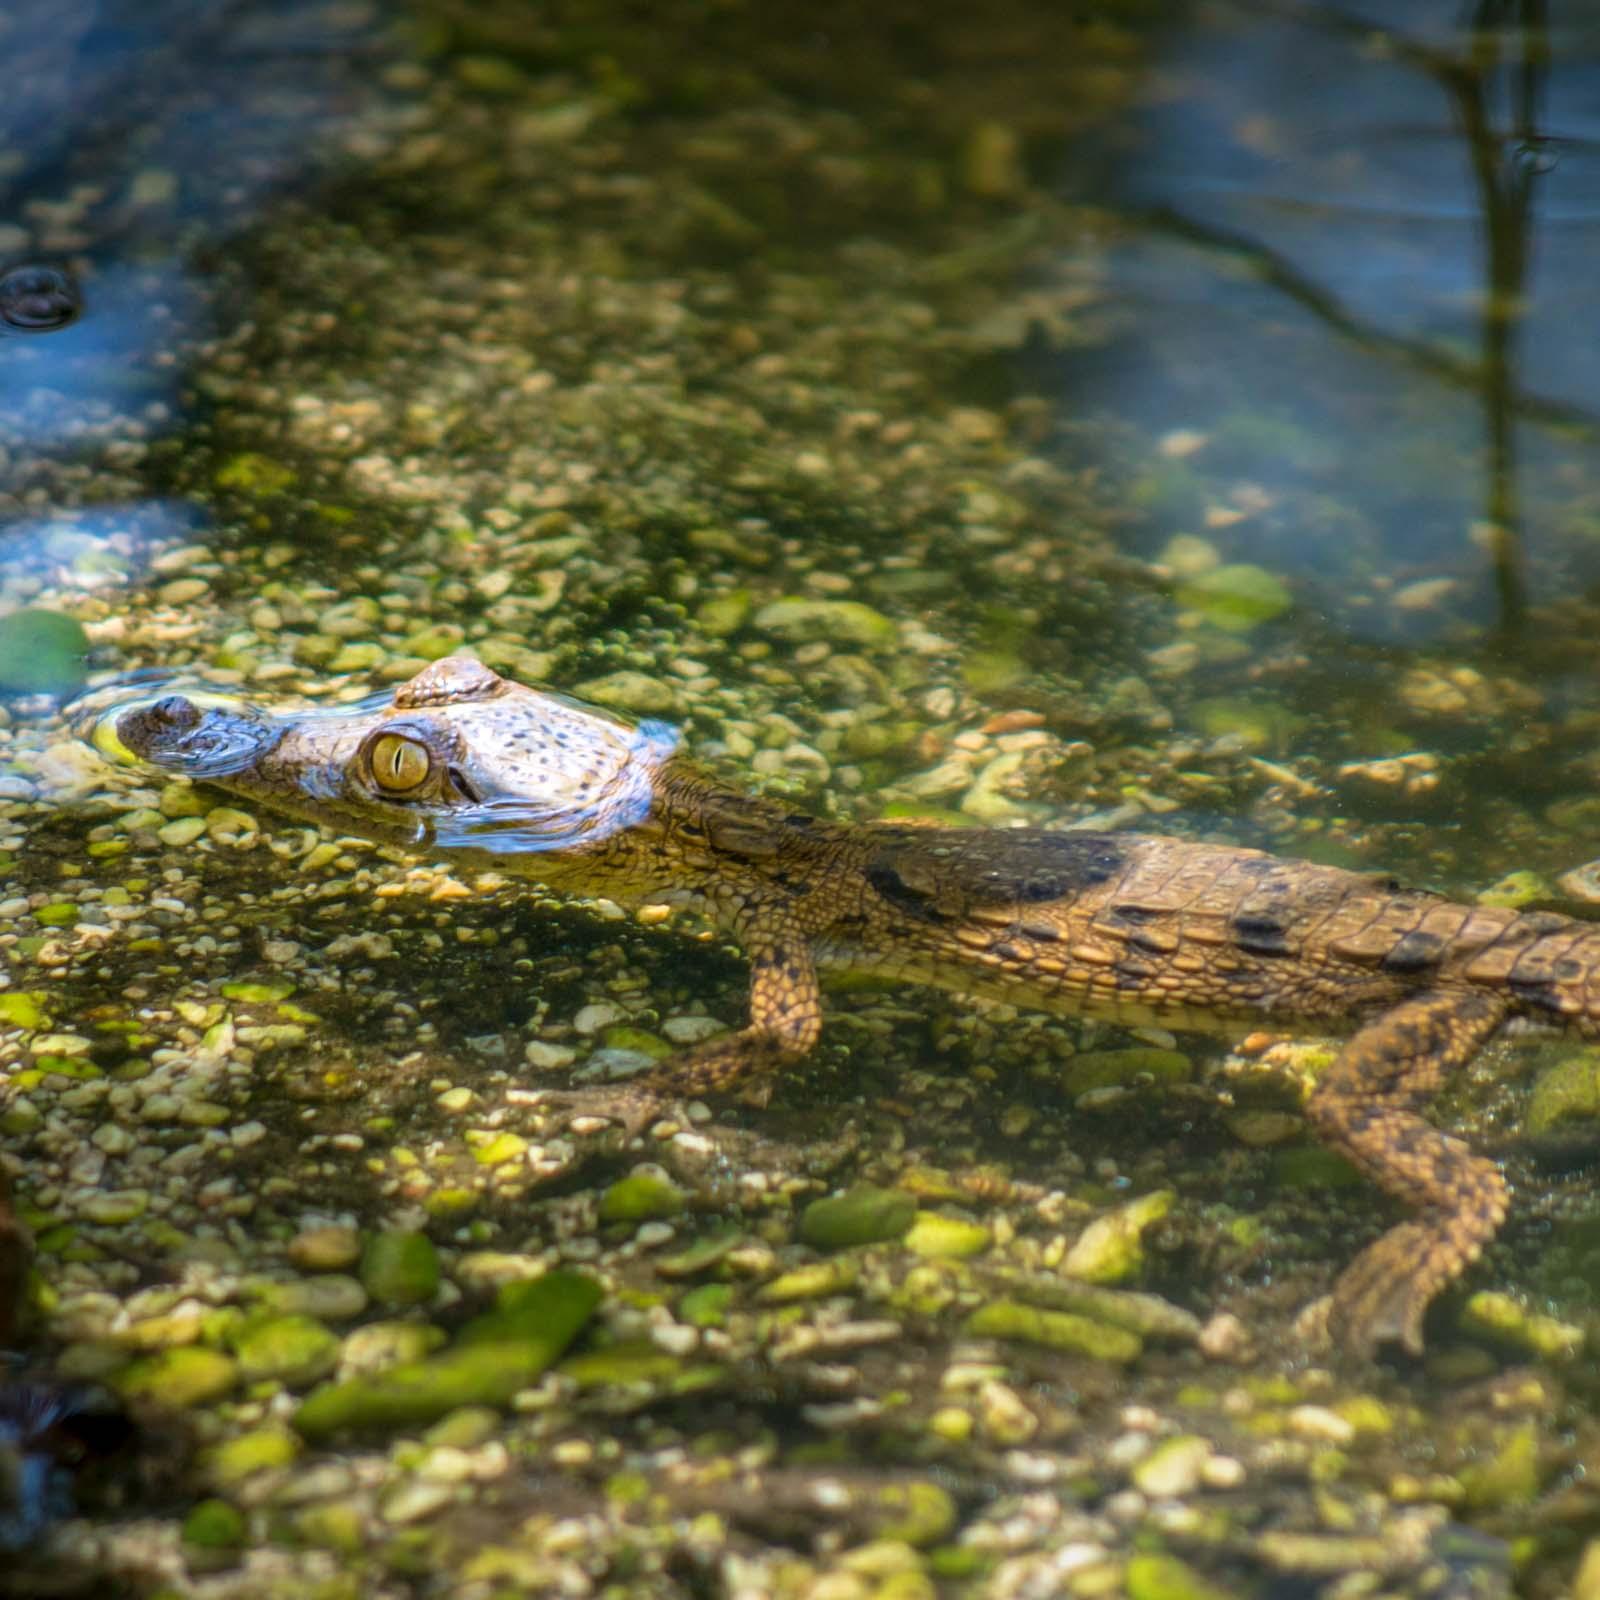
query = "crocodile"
x=463 y=764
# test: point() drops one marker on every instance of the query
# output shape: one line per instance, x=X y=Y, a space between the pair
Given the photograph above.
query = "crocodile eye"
x=398 y=765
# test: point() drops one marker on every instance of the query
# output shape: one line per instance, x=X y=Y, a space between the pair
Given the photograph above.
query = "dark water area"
x=1170 y=418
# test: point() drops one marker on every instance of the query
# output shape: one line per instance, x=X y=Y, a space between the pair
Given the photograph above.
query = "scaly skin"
x=1128 y=927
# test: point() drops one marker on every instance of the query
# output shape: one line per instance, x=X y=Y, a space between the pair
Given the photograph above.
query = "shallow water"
x=1181 y=423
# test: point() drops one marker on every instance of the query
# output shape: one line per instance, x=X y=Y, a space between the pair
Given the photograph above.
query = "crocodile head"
x=456 y=759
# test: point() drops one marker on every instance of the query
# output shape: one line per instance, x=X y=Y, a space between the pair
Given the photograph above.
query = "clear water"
x=1177 y=418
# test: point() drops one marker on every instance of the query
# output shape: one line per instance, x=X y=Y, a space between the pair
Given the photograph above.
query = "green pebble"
x=641 y=1197
x=1111 y=1248
x=290 y=1350
x=495 y=1149
x=400 y=1268
x=181 y=831
x=1500 y=1318
x=214 y=1525
x=114 y=1208
x=58 y=914
x=700 y=1254
x=252 y=473
x=20 y=1009
x=257 y=993
x=1147 y=1315
x=706 y=1306
x=623 y=1365
x=1508 y=1474
x=918 y=1513
x=649 y=1044
x=1104 y=1069
x=42 y=652
x=377 y=1346
x=1235 y=598
x=431 y=644
x=723 y=614
x=636 y=693
x=1517 y=889
x=329 y=1297
x=802 y=619
x=465 y=1429
x=933 y=1234
x=862 y=1215
x=497 y=1354
x=1152 y=1577
x=810 y=1282
x=1059 y=1330
x=176 y=1379
x=1569 y=1091
x=234 y=1460
x=1253 y=724
x=336 y=1525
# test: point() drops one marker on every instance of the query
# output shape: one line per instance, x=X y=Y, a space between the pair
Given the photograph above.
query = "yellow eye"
x=398 y=765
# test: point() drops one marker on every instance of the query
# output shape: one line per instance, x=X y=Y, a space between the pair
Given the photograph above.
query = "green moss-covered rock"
x=862 y=1215
x=1517 y=889
x=1059 y=1330
x=706 y=1306
x=1502 y=1319
x=249 y=472
x=641 y=1197
x=836 y=621
x=918 y=1513
x=292 y=1350
x=1155 y=1577
x=400 y=1268
x=1235 y=598
x=215 y=1525
x=935 y=1235
x=496 y=1355
x=1506 y=1474
x=261 y=1450
x=813 y=1281
x=42 y=652
x=636 y=693
x=1104 y=1069
x=21 y=1009
x=1569 y=1091
x=176 y=1379
x=1111 y=1248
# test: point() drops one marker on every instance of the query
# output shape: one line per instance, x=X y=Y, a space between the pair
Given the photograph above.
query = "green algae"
x=180 y=1378
x=293 y=1350
x=400 y=1268
x=862 y=1215
x=641 y=1197
x=1104 y=1069
x=494 y=1356
x=42 y=652
x=1111 y=1248
x=1056 y=1330
x=1235 y=598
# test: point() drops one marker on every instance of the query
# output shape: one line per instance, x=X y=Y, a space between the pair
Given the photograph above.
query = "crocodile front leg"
x=1366 y=1107
x=785 y=1023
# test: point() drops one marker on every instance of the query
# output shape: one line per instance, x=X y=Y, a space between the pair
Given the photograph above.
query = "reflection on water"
x=1363 y=285
x=133 y=135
